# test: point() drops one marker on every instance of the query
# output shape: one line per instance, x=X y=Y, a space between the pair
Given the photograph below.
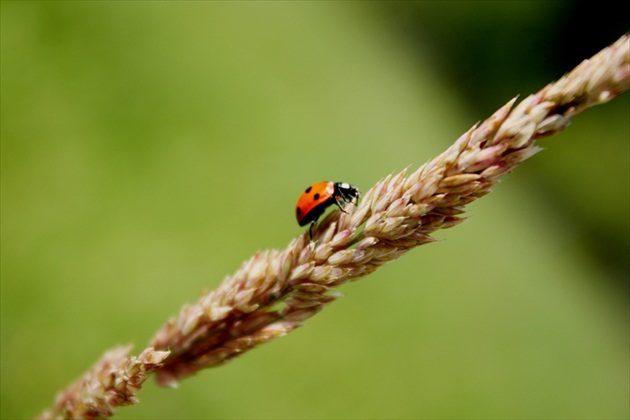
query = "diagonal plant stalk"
x=274 y=292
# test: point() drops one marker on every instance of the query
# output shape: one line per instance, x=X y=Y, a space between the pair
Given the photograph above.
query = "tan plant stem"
x=113 y=381
x=274 y=292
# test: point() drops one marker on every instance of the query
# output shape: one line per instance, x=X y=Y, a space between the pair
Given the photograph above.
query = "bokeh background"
x=148 y=148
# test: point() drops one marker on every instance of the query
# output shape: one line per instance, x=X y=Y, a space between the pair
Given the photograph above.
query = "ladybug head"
x=346 y=192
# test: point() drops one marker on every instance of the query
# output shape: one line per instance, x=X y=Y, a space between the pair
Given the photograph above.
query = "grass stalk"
x=275 y=291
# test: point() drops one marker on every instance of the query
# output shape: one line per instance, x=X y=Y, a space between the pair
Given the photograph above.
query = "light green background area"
x=149 y=148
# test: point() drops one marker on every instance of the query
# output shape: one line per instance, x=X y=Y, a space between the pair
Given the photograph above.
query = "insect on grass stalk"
x=274 y=291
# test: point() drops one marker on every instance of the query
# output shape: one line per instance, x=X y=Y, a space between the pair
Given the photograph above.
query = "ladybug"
x=316 y=198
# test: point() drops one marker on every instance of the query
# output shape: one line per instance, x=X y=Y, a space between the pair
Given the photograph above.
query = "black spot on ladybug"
x=316 y=196
x=298 y=210
x=308 y=190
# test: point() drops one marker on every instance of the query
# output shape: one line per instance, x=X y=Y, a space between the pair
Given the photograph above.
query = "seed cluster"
x=275 y=291
x=113 y=381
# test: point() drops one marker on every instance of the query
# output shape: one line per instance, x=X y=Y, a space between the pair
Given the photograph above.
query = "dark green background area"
x=148 y=148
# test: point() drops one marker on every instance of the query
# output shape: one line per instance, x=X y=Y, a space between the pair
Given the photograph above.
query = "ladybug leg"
x=310 y=230
x=341 y=203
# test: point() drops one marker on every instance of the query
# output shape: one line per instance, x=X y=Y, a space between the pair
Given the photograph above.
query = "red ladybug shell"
x=314 y=201
x=316 y=198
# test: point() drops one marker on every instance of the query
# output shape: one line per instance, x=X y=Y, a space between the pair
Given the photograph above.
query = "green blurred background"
x=148 y=148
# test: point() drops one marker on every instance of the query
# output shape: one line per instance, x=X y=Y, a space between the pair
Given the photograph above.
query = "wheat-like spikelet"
x=113 y=381
x=275 y=291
